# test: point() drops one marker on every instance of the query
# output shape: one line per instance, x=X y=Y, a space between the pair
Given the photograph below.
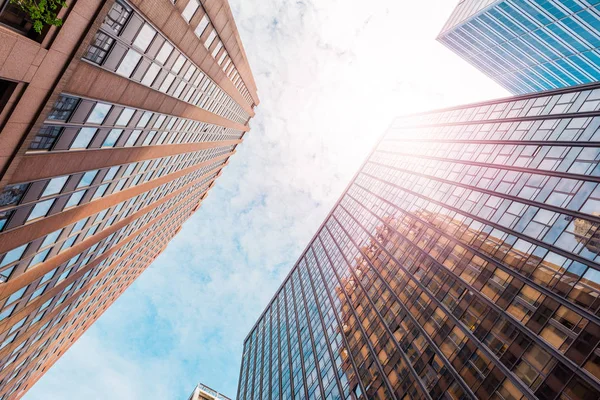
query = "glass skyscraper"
x=461 y=262
x=528 y=45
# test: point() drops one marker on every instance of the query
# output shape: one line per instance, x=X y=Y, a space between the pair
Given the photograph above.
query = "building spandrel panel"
x=528 y=45
x=461 y=262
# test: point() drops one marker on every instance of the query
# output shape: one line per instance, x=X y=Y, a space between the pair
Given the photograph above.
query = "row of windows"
x=567 y=103
x=75 y=124
x=206 y=32
x=26 y=202
x=132 y=48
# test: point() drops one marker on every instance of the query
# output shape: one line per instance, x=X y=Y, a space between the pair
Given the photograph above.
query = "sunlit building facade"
x=203 y=392
x=114 y=127
x=460 y=263
x=528 y=45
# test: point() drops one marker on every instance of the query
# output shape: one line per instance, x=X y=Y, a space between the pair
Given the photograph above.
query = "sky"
x=332 y=75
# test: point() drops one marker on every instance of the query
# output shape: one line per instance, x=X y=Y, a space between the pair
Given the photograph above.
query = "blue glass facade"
x=462 y=262
x=528 y=45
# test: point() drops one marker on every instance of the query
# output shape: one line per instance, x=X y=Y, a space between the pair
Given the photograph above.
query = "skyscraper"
x=461 y=262
x=114 y=127
x=528 y=45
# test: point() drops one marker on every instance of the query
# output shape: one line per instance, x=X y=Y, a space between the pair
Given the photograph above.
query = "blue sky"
x=331 y=76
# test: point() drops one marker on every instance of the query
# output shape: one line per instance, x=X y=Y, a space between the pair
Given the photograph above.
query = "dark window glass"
x=12 y=194
x=117 y=17
x=4 y=216
x=45 y=138
x=6 y=90
x=99 y=48
x=63 y=108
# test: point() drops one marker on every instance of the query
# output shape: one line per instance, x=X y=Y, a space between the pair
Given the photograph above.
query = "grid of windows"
x=461 y=262
x=75 y=305
x=206 y=32
x=129 y=46
x=90 y=124
x=528 y=45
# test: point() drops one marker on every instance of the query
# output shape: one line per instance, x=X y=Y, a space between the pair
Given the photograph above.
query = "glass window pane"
x=13 y=255
x=99 y=113
x=125 y=117
x=55 y=185
x=84 y=137
x=87 y=178
x=144 y=37
x=201 y=26
x=75 y=199
x=150 y=74
x=190 y=10
x=164 y=53
x=41 y=209
x=133 y=138
x=51 y=238
x=129 y=62
x=12 y=194
x=144 y=120
x=112 y=138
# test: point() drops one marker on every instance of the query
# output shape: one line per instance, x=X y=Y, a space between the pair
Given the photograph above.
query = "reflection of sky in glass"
x=129 y=63
x=40 y=209
x=55 y=185
x=84 y=137
x=99 y=113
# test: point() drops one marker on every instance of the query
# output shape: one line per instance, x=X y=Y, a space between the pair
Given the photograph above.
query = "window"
x=125 y=117
x=63 y=108
x=83 y=138
x=129 y=62
x=201 y=26
x=12 y=194
x=144 y=120
x=40 y=209
x=112 y=138
x=211 y=37
x=190 y=10
x=13 y=255
x=6 y=90
x=87 y=179
x=45 y=138
x=99 y=113
x=99 y=48
x=217 y=49
x=75 y=199
x=144 y=37
x=51 y=238
x=164 y=53
x=4 y=216
x=55 y=185
x=117 y=16
x=133 y=138
x=150 y=74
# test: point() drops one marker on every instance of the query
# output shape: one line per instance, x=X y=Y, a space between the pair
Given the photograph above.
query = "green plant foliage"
x=41 y=12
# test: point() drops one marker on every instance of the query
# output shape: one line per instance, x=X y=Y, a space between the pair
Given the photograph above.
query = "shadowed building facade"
x=113 y=129
x=528 y=45
x=461 y=262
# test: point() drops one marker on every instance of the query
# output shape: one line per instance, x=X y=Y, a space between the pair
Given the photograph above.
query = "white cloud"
x=331 y=77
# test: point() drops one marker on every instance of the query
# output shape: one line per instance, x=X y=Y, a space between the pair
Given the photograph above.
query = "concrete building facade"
x=114 y=127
